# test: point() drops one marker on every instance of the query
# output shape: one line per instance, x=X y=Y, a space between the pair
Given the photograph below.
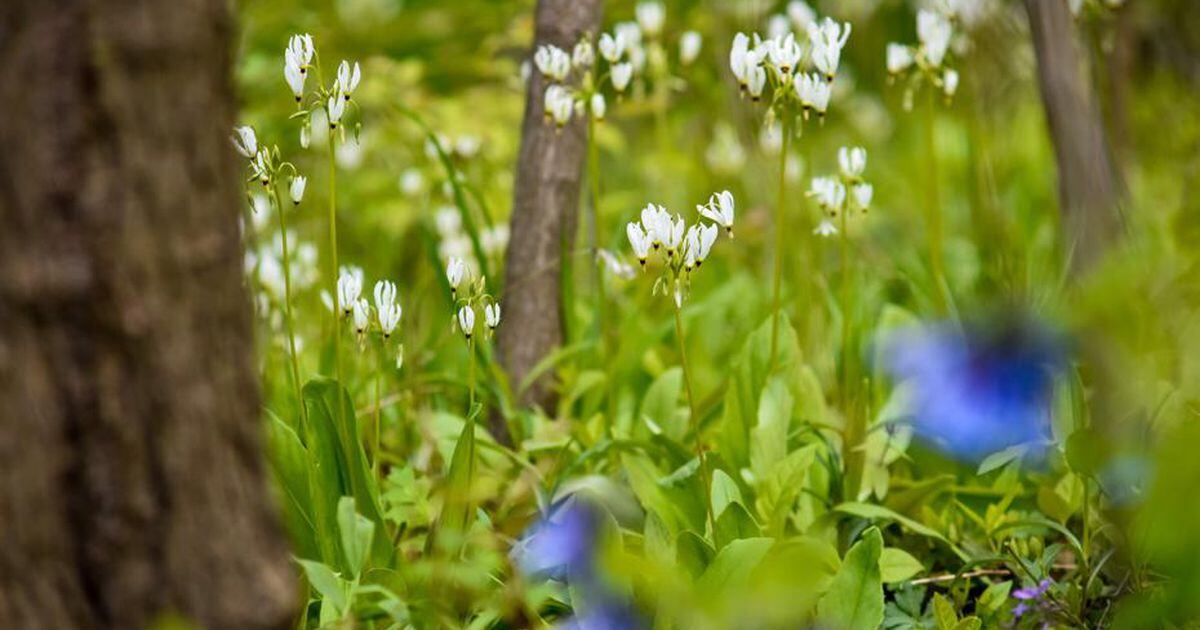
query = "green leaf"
x=897 y=565
x=661 y=407
x=356 y=531
x=944 y=614
x=869 y=511
x=996 y=460
x=289 y=465
x=993 y=598
x=733 y=524
x=777 y=492
x=724 y=491
x=855 y=597
x=768 y=440
x=693 y=553
x=331 y=587
x=339 y=467
x=456 y=508
x=749 y=374
x=733 y=565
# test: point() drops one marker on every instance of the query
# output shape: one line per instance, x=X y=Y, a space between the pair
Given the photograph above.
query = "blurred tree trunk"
x=131 y=480
x=545 y=207
x=1088 y=181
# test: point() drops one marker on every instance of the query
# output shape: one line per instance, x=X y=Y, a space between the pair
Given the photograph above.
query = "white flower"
x=899 y=58
x=296 y=190
x=801 y=14
x=349 y=287
x=719 y=210
x=612 y=48
x=934 y=31
x=336 y=107
x=467 y=145
x=598 y=106
x=386 y=308
x=737 y=58
x=347 y=79
x=493 y=240
x=294 y=76
x=673 y=237
x=657 y=224
x=756 y=81
x=639 y=241
x=689 y=47
x=245 y=141
x=552 y=61
x=559 y=103
x=466 y=320
x=829 y=193
x=305 y=134
x=852 y=161
x=950 y=82
x=491 y=315
x=784 y=53
x=583 y=55
x=261 y=167
x=862 y=195
x=813 y=92
x=300 y=51
x=650 y=16
x=362 y=316
x=412 y=182
x=621 y=74
x=825 y=228
x=700 y=241
x=455 y=270
x=828 y=38
x=616 y=266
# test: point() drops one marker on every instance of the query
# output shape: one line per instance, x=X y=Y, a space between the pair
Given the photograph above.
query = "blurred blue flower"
x=1030 y=597
x=610 y=616
x=975 y=393
x=563 y=543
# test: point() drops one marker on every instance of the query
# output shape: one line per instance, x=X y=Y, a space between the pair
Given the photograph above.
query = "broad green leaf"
x=456 y=507
x=910 y=500
x=855 y=597
x=777 y=492
x=724 y=491
x=657 y=539
x=643 y=479
x=749 y=374
x=356 y=531
x=733 y=565
x=289 y=464
x=768 y=439
x=869 y=511
x=693 y=553
x=733 y=524
x=661 y=407
x=993 y=598
x=897 y=565
x=944 y=614
x=996 y=460
x=331 y=587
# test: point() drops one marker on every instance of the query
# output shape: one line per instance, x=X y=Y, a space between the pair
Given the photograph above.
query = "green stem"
x=844 y=253
x=471 y=373
x=333 y=253
x=288 y=321
x=780 y=238
x=375 y=452
x=693 y=414
x=856 y=428
x=934 y=211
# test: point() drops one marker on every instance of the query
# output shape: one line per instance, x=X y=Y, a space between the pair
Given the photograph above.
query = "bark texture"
x=1088 y=181
x=545 y=210
x=132 y=484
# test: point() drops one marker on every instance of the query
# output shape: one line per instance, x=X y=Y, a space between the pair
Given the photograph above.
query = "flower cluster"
x=928 y=60
x=300 y=57
x=474 y=297
x=841 y=195
x=798 y=70
x=266 y=165
x=684 y=247
x=358 y=309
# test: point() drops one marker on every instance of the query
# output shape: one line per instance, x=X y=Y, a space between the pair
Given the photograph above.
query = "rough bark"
x=1088 y=181
x=131 y=478
x=545 y=208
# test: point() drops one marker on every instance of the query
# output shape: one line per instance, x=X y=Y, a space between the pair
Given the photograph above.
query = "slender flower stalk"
x=333 y=274
x=780 y=237
x=289 y=322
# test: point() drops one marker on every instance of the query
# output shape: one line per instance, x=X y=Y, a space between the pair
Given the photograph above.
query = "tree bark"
x=132 y=484
x=545 y=210
x=1088 y=180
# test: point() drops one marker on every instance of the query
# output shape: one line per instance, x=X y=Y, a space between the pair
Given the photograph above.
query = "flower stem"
x=375 y=452
x=934 y=211
x=598 y=268
x=780 y=237
x=289 y=322
x=333 y=257
x=694 y=416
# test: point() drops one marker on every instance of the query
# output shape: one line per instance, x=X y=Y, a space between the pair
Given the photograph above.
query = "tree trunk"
x=132 y=484
x=545 y=208
x=1088 y=181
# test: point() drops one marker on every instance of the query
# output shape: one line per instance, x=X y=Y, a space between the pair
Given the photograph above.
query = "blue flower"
x=563 y=543
x=976 y=393
x=609 y=616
